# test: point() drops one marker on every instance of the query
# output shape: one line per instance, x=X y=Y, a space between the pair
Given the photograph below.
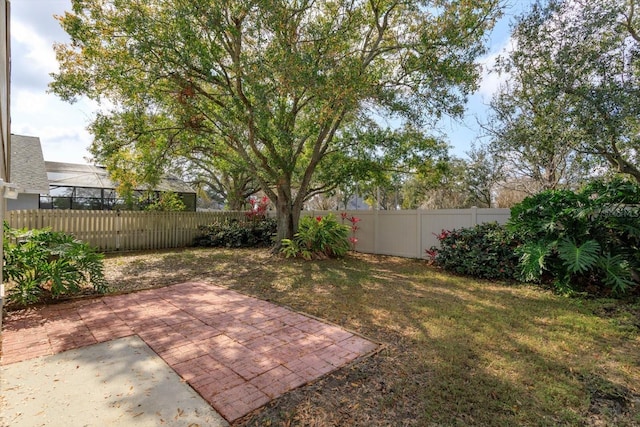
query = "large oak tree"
x=272 y=80
x=571 y=98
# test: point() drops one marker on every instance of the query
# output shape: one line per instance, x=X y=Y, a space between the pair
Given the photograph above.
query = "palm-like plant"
x=39 y=260
x=581 y=239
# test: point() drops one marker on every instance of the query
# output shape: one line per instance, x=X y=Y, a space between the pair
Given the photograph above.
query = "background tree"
x=454 y=183
x=443 y=187
x=483 y=173
x=167 y=201
x=225 y=180
x=380 y=160
x=530 y=136
x=569 y=108
x=272 y=80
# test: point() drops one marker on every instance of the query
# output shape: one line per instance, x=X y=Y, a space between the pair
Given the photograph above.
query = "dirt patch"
x=608 y=401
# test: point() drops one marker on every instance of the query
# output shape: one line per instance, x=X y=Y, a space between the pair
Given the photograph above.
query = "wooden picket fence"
x=112 y=231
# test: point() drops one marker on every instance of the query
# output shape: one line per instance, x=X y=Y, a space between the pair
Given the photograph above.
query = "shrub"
x=235 y=234
x=167 y=201
x=485 y=251
x=318 y=237
x=37 y=262
x=585 y=241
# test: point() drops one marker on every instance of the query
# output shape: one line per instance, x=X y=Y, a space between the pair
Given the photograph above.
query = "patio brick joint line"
x=236 y=351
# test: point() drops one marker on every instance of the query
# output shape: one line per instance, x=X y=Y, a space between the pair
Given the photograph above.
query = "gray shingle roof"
x=27 y=165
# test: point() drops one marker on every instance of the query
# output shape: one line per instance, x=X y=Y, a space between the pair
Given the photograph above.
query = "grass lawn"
x=458 y=351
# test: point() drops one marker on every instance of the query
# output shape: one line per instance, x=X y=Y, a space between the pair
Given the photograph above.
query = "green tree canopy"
x=569 y=107
x=272 y=80
x=222 y=178
x=452 y=183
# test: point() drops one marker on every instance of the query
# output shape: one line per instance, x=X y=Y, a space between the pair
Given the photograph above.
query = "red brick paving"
x=238 y=352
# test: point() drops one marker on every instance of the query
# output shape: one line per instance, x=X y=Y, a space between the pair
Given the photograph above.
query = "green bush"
x=585 y=241
x=37 y=262
x=319 y=237
x=235 y=234
x=167 y=201
x=486 y=251
x=588 y=241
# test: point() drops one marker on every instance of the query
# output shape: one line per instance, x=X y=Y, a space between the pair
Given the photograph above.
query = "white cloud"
x=59 y=143
x=491 y=79
x=39 y=51
x=24 y=101
x=60 y=126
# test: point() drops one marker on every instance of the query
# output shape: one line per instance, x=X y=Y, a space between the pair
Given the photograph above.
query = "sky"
x=62 y=126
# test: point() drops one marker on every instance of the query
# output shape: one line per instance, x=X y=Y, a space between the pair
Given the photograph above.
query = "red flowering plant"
x=258 y=208
x=354 y=227
x=432 y=253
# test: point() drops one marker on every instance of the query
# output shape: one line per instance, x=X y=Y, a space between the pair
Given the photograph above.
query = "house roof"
x=91 y=176
x=27 y=165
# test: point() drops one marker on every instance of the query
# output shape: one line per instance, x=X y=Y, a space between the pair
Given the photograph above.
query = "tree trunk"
x=287 y=214
x=236 y=201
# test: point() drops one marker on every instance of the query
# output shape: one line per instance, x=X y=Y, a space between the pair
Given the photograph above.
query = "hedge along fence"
x=404 y=233
x=112 y=231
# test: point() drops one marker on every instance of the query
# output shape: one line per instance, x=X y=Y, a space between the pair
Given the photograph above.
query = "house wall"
x=23 y=202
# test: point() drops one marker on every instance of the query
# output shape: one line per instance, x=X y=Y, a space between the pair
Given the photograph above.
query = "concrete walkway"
x=121 y=382
x=237 y=352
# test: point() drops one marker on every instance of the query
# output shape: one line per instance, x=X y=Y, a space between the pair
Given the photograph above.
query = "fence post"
x=419 y=233
x=474 y=216
x=118 y=229
x=376 y=230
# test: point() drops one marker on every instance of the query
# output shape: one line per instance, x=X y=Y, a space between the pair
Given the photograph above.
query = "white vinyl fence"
x=408 y=233
x=404 y=233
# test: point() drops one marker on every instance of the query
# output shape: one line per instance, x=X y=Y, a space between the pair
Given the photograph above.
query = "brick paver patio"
x=236 y=351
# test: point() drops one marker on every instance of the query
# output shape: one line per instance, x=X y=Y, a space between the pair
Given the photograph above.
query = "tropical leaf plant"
x=318 y=237
x=617 y=273
x=587 y=240
x=42 y=260
x=533 y=260
x=578 y=258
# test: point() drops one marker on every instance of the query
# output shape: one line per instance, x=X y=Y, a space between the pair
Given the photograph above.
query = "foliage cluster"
x=42 y=262
x=486 y=251
x=238 y=234
x=568 y=106
x=319 y=237
x=167 y=201
x=586 y=241
x=263 y=87
x=256 y=231
x=583 y=241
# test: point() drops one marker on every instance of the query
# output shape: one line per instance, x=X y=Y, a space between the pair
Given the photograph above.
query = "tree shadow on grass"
x=460 y=351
